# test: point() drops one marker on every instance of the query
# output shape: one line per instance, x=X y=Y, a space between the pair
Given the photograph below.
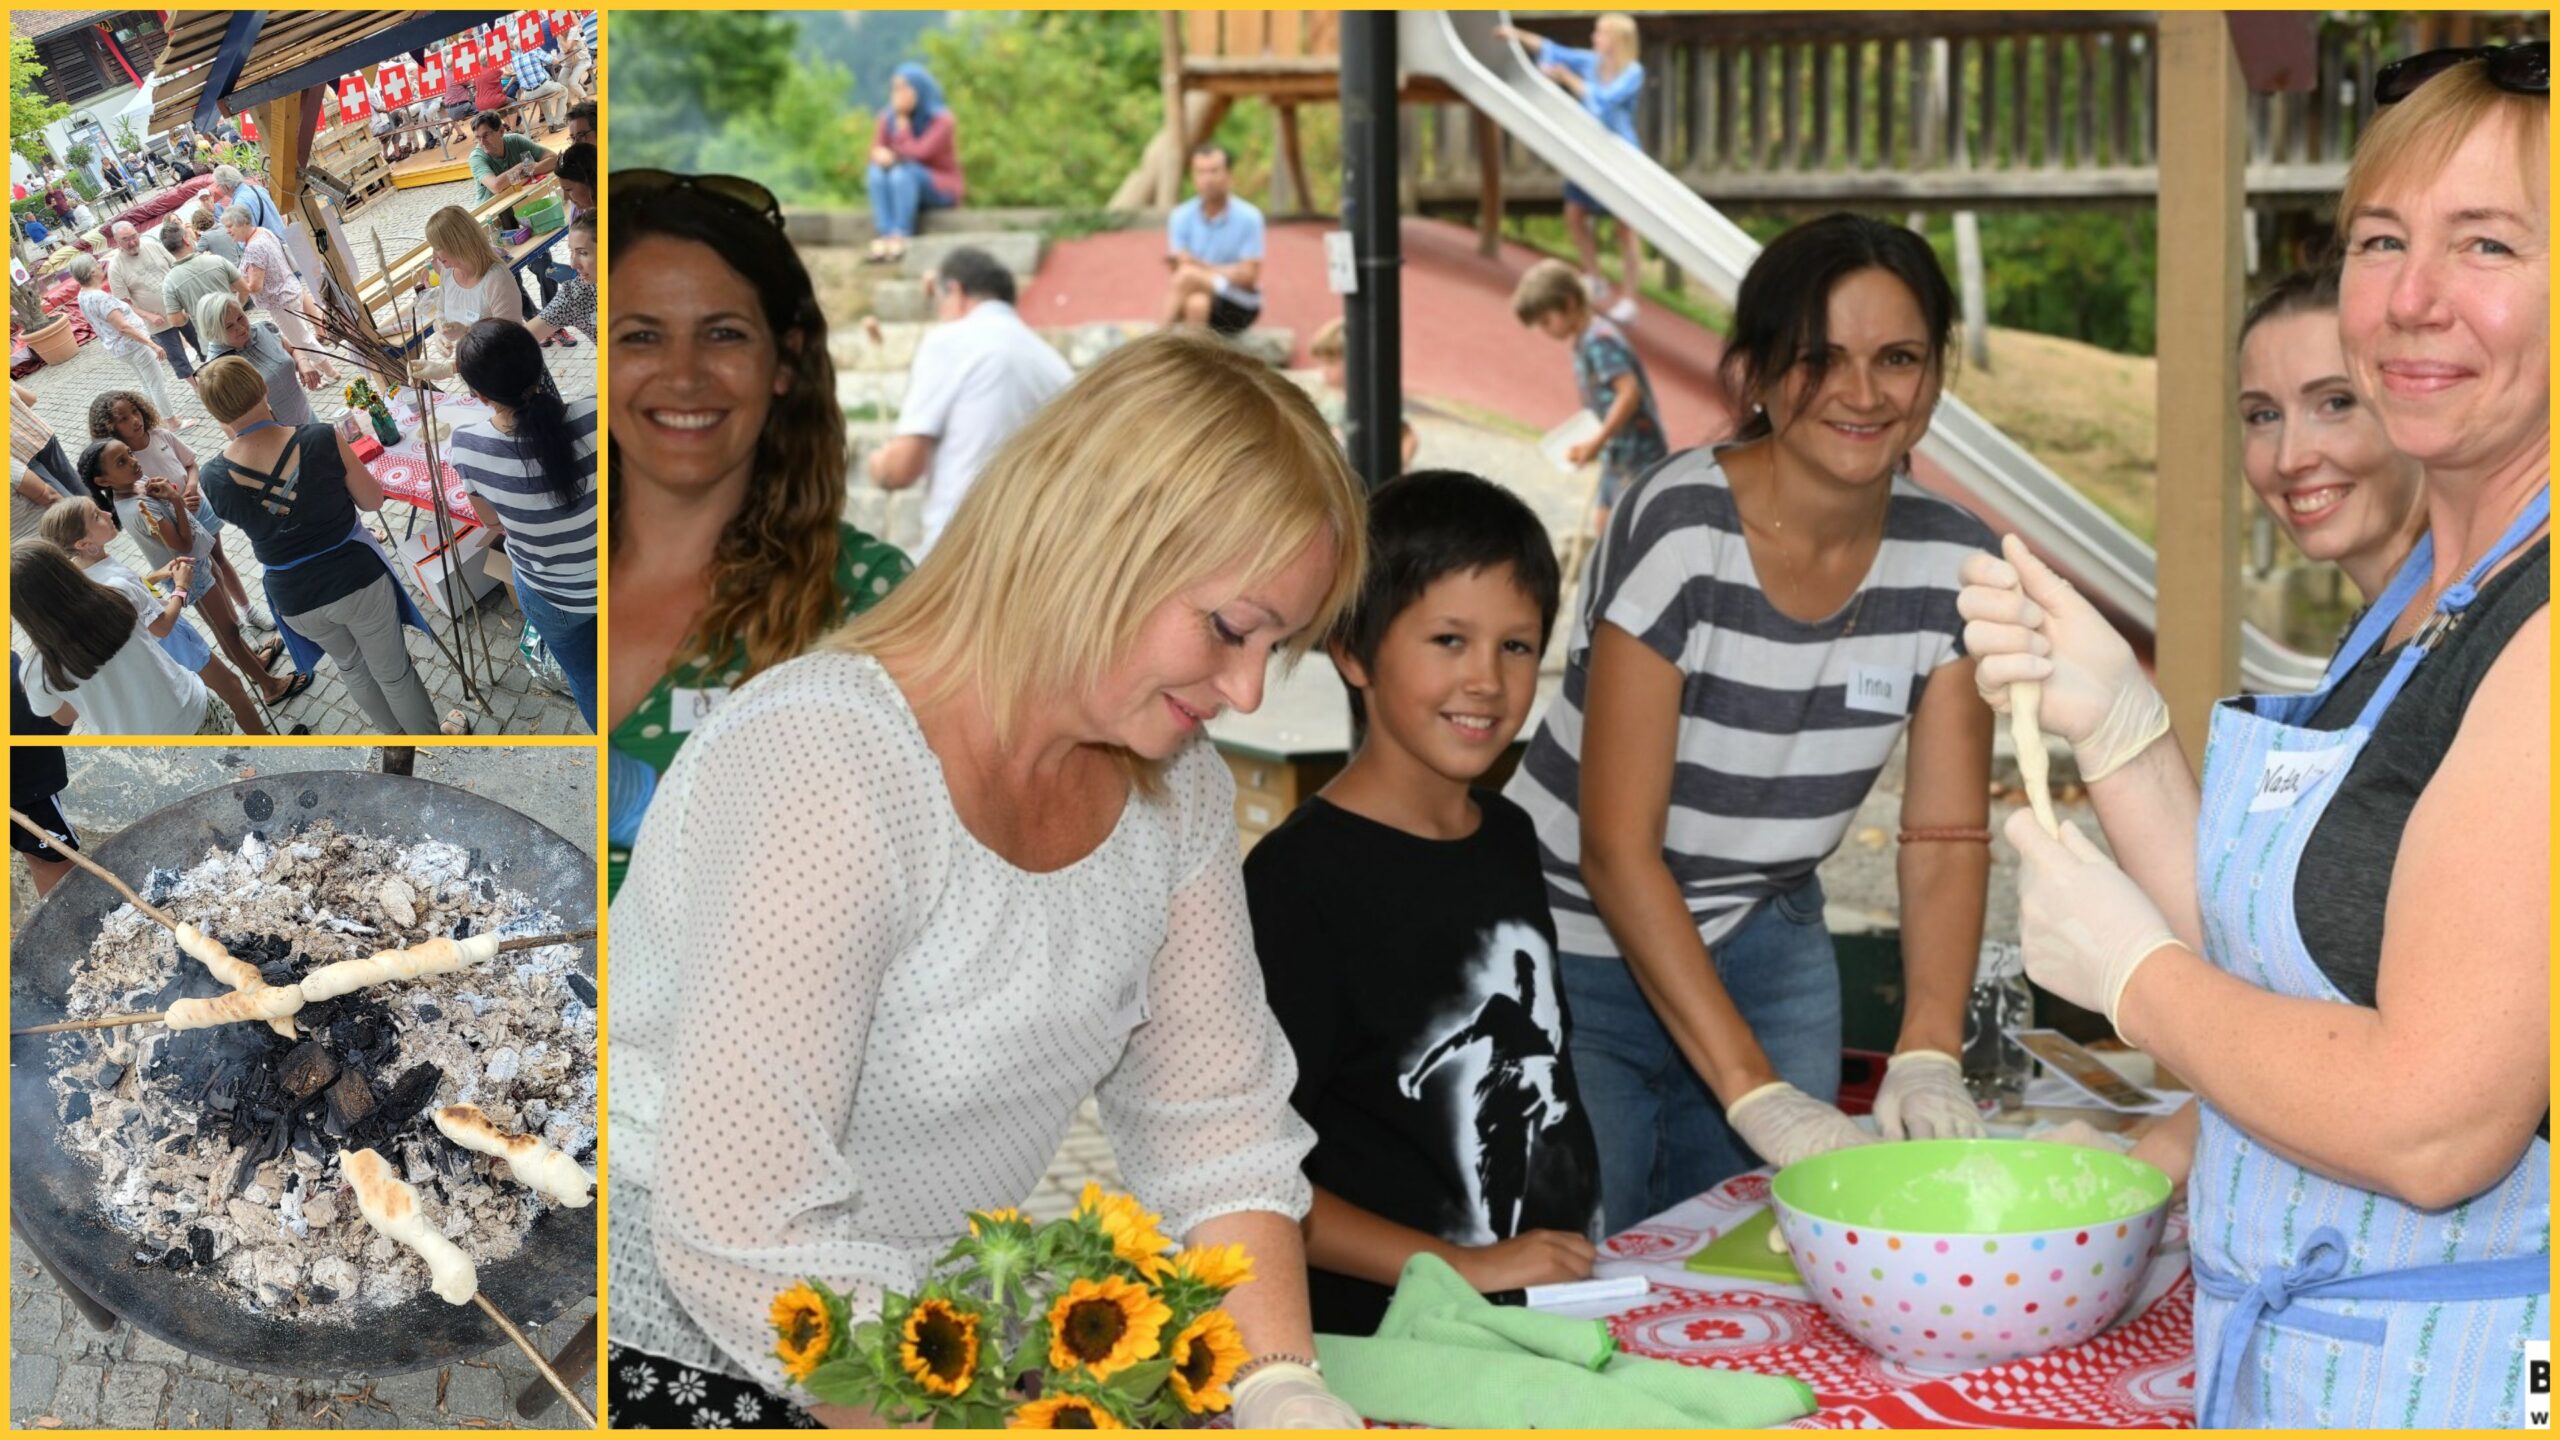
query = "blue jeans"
x=1662 y=1136
x=571 y=639
x=898 y=195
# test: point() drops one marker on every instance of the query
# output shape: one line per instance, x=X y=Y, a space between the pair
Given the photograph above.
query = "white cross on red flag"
x=394 y=78
x=496 y=47
x=431 y=75
x=352 y=102
x=527 y=26
x=463 y=59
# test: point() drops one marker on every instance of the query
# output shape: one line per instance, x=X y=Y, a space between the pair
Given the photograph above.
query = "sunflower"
x=1106 y=1326
x=1132 y=1231
x=1067 y=1412
x=1205 y=1357
x=939 y=1347
x=1006 y=1216
x=802 y=1330
x=1225 y=1266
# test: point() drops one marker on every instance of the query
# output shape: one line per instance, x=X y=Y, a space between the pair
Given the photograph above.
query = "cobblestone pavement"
x=511 y=701
x=64 y=1374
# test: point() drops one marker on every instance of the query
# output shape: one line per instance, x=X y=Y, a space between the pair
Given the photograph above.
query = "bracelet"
x=1277 y=1357
x=1957 y=834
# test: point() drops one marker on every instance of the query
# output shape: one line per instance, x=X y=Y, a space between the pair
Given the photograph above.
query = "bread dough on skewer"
x=536 y=1166
x=390 y=1205
x=271 y=1003
x=2026 y=704
x=235 y=972
x=436 y=957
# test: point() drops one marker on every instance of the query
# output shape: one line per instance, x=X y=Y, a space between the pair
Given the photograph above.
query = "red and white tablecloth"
x=2141 y=1373
x=402 y=468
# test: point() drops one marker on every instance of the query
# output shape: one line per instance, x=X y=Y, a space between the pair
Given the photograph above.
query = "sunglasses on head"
x=736 y=189
x=2516 y=69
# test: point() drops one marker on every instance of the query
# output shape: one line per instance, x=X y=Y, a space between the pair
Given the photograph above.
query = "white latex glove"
x=1285 y=1395
x=1786 y=1125
x=2083 y=924
x=2025 y=622
x=1923 y=1098
x=2083 y=1134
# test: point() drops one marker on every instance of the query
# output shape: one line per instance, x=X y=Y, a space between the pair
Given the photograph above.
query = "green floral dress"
x=866 y=569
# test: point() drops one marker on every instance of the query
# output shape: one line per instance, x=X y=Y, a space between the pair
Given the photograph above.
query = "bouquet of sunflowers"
x=1090 y=1322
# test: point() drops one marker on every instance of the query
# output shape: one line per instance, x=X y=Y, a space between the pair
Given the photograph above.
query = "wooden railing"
x=1953 y=109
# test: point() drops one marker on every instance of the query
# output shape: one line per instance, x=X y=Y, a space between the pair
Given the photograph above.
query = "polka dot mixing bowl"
x=1956 y=1254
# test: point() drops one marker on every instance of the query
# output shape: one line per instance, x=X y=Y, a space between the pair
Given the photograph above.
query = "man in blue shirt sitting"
x=534 y=83
x=1214 y=245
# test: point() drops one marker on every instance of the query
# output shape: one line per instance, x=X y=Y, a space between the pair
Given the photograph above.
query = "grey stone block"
x=199 y=1404
x=76 y=1396
x=413 y=1393
x=31 y=1382
x=1016 y=250
x=476 y=1392
x=154 y=1352
x=901 y=301
x=132 y=1397
x=881 y=391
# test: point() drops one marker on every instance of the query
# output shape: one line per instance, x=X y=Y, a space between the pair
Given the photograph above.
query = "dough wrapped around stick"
x=271 y=1003
x=2035 y=769
x=390 y=1205
x=536 y=1166
x=436 y=957
x=235 y=972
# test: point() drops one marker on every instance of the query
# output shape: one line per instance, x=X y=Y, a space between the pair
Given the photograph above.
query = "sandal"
x=454 y=724
x=268 y=653
x=299 y=683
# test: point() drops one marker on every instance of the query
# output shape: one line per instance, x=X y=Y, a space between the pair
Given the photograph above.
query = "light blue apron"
x=2321 y=1304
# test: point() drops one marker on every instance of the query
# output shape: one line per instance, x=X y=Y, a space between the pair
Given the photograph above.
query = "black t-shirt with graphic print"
x=1416 y=979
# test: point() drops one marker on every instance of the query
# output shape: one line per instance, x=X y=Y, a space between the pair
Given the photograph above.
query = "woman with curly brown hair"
x=728 y=469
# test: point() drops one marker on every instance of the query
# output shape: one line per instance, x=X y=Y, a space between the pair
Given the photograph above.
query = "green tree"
x=30 y=109
x=681 y=77
x=1055 y=106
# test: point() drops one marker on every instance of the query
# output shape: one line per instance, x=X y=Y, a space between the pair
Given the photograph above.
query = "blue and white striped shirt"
x=1784 y=723
x=551 y=546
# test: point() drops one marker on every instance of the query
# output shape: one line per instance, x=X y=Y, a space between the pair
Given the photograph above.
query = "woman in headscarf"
x=915 y=160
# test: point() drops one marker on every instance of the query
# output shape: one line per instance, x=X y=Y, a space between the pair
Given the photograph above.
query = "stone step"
x=900 y=300
x=854 y=227
x=879 y=391
x=1083 y=345
x=1016 y=250
x=851 y=348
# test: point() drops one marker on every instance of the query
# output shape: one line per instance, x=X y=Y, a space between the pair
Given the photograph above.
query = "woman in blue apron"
x=2348 y=961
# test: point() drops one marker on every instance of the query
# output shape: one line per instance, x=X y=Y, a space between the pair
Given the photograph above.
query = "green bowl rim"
x=2142 y=1171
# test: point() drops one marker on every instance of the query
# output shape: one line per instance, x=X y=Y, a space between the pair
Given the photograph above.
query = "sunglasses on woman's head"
x=736 y=189
x=2516 y=69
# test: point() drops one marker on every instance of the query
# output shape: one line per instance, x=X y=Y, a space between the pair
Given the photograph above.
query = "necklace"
x=1777 y=526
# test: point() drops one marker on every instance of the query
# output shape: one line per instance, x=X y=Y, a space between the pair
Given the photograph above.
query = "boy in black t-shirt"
x=1403 y=928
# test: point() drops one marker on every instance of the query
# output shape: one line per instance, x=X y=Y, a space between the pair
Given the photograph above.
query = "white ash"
x=290 y=1239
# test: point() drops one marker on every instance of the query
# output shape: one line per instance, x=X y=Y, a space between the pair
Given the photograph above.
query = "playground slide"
x=2005 y=483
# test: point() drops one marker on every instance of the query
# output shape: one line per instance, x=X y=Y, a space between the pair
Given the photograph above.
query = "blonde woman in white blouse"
x=901 y=904
x=475 y=282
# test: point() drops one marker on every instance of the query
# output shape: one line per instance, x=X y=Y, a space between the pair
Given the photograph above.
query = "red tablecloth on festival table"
x=2141 y=1373
x=402 y=468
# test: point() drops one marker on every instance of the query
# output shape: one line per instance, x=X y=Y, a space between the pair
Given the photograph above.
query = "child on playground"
x=1607 y=79
x=1609 y=374
x=1404 y=935
x=1330 y=350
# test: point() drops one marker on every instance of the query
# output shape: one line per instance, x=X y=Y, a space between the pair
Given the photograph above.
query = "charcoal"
x=322 y=1294
x=178 y=1259
x=279 y=1135
x=428 y=1014
x=111 y=1075
x=75 y=1107
x=410 y=1094
x=307 y=1070
x=279 y=973
x=350 y=1101
x=200 y=1240
x=583 y=988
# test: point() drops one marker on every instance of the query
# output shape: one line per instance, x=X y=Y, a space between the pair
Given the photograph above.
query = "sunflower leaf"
x=1142 y=1379
x=840 y=1382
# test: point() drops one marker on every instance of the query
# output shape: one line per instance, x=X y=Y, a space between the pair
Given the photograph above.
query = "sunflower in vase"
x=1092 y=1322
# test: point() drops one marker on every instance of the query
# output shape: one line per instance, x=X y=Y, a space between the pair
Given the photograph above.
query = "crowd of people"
x=1430 y=1017
x=217 y=297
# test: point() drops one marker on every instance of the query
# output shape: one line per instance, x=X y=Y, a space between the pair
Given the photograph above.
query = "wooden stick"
x=103 y=1022
x=539 y=1363
x=94 y=868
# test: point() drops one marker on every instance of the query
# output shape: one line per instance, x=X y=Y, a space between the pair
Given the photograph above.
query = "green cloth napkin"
x=1445 y=1356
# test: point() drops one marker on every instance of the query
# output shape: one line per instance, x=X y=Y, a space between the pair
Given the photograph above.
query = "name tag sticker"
x=689 y=708
x=2289 y=774
x=1875 y=688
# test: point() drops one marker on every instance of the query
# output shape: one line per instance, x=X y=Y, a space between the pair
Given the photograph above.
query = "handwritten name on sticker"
x=2288 y=775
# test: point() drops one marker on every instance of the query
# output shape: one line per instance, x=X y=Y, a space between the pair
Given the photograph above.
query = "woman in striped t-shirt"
x=531 y=467
x=1764 y=621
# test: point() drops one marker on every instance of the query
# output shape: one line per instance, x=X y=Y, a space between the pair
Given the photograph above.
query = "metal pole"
x=1373 y=315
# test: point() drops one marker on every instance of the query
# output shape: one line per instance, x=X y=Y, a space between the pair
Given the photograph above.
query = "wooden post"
x=2203 y=131
x=1177 y=143
x=1488 y=184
